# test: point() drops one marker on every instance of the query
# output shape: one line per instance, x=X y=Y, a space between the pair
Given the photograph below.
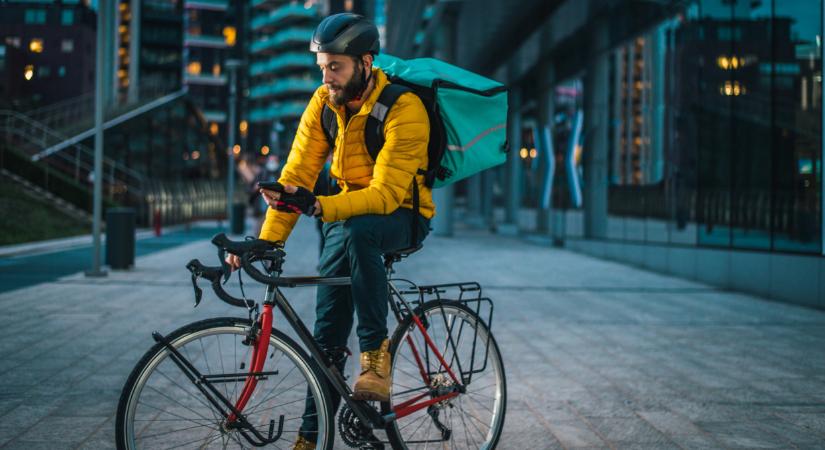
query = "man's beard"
x=354 y=87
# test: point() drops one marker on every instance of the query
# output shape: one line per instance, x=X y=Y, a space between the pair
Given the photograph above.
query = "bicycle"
x=235 y=382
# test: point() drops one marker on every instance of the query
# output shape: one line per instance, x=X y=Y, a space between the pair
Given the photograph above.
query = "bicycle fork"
x=258 y=338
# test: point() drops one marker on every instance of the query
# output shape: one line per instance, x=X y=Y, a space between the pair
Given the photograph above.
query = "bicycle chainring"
x=353 y=432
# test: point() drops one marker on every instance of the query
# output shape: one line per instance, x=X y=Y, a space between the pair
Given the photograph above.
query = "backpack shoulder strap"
x=374 y=128
x=330 y=125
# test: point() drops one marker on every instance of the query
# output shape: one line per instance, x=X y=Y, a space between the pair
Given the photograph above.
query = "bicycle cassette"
x=355 y=433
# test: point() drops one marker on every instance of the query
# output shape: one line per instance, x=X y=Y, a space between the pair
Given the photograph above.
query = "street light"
x=232 y=65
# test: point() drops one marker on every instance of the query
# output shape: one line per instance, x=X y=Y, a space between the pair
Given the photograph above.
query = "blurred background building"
x=681 y=136
x=684 y=136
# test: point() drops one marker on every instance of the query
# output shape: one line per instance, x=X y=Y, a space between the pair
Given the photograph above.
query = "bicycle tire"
x=149 y=391
x=405 y=374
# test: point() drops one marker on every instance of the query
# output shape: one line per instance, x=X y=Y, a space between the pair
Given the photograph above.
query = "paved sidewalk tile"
x=597 y=354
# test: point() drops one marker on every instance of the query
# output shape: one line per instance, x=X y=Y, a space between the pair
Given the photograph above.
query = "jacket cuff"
x=329 y=211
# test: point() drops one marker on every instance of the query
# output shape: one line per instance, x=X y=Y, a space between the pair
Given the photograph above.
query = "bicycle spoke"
x=177 y=402
x=480 y=404
x=190 y=442
x=191 y=394
x=163 y=411
x=266 y=396
x=176 y=430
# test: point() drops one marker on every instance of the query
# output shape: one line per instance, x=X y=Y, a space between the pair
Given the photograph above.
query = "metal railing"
x=30 y=136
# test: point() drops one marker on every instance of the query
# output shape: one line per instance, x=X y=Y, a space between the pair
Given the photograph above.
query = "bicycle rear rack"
x=470 y=295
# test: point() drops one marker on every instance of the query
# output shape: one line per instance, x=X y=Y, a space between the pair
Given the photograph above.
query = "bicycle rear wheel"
x=475 y=418
x=160 y=408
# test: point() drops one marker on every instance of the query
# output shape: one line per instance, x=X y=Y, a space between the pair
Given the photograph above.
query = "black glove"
x=302 y=201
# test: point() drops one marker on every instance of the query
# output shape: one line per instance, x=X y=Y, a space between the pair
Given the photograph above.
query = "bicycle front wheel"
x=160 y=408
x=471 y=420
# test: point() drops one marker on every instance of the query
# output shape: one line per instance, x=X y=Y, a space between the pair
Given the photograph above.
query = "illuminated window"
x=36 y=45
x=13 y=41
x=216 y=70
x=67 y=45
x=61 y=71
x=194 y=68
x=213 y=129
x=264 y=150
x=28 y=72
x=230 y=35
x=35 y=16
x=67 y=17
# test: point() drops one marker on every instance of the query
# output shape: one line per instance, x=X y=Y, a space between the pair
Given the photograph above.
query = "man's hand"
x=295 y=200
x=234 y=261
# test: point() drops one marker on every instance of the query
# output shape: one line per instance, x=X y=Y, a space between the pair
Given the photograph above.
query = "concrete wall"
x=798 y=279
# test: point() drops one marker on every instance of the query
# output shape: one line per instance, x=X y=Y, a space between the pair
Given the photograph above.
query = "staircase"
x=38 y=192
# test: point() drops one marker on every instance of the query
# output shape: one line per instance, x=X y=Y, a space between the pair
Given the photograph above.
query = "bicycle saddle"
x=397 y=255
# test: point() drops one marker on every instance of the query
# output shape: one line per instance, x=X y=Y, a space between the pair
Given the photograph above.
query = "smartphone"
x=271 y=186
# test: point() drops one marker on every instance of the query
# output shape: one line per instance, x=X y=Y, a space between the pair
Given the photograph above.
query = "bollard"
x=156 y=221
x=120 y=238
x=238 y=218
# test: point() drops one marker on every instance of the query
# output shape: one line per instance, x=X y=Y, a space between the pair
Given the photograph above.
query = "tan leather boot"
x=374 y=382
x=303 y=444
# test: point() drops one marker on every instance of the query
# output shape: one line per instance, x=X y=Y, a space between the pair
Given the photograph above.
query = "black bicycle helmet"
x=345 y=34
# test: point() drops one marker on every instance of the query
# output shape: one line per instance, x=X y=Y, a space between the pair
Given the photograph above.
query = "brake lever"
x=227 y=271
x=198 y=290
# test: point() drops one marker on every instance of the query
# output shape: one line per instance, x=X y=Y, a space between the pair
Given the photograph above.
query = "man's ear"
x=367 y=60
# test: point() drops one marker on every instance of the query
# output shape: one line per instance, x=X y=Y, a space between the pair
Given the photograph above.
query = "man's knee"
x=360 y=231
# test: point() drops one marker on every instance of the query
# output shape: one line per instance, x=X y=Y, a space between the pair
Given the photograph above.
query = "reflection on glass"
x=716 y=127
x=798 y=128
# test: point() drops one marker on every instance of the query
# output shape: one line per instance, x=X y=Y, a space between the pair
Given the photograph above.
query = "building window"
x=67 y=17
x=216 y=70
x=36 y=45
x=28 y=72
x=61 y=71
x=13 y=41
x=35 y=16
x=67 y=45
x=230 y=35
x=194 y=68
x=43 y=71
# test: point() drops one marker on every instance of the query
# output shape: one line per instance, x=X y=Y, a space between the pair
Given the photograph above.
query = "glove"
x=302 y=201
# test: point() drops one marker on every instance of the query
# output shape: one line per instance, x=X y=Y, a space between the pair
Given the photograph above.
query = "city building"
x=48 y=51
x=681 y=136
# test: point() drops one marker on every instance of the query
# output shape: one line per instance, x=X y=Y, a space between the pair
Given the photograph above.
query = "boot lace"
x=374 y=360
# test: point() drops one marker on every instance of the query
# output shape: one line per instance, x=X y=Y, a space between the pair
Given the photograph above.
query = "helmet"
x=347 y=34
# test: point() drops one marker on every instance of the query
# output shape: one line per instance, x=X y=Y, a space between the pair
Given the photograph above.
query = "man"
x=373 y=214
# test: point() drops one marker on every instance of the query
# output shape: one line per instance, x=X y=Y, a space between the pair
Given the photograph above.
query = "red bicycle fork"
x=259 y=352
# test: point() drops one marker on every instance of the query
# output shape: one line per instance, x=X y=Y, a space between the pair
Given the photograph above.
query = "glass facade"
x=716 y=129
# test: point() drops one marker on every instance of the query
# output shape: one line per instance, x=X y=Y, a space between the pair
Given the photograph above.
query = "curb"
x=54 y=245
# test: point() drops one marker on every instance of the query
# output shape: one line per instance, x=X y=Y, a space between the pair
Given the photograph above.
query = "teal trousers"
x=354 y=248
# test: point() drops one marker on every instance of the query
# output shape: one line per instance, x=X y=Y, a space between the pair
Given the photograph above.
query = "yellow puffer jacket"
x=368 y=187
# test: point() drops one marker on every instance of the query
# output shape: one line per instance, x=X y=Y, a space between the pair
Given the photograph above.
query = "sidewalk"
x=42 y=262
x=597 y=354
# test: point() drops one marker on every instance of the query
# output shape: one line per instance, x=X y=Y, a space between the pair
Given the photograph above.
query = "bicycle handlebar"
x=213 y=274
x=250 y=251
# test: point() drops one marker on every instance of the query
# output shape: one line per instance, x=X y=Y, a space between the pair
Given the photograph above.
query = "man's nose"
x=327 y=77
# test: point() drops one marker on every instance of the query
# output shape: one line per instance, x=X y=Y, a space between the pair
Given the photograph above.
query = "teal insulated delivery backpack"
x=468 y=116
